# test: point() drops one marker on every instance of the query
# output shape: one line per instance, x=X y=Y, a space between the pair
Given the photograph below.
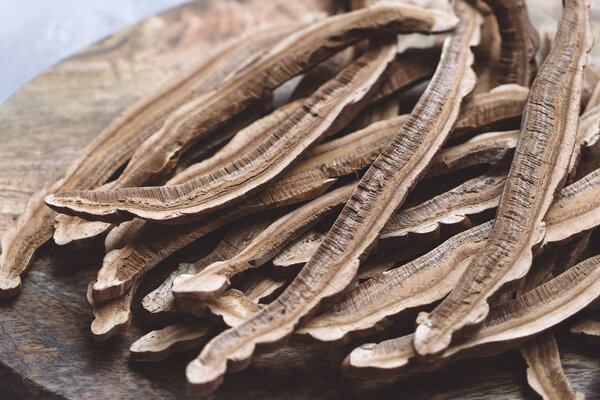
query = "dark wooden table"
x=46 y=349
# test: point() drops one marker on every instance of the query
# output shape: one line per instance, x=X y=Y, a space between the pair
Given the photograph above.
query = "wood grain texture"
x=43 y=126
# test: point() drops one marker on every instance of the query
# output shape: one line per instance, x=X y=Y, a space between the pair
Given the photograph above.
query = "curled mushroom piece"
x=544 y=370
x=538 y=170
x=215 y=278
x=160 y=344
x=383 y=188
x=452 y=207
x=575 y=209
x=290 y=57
x=519 y=42
x=111 y=317
x=502 y=105
x=115 y=144
x=507 y=326
x=588 y=327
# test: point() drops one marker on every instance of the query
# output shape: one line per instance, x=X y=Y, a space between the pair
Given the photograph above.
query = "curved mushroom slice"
x=214 y=279
x=575 y=209
x=472 y=197
x=501 y=105
x=299 y=251
x=538 y=170
x=288 y=58
x=160 y=344
x=339 y=157
x=383 y=188
x=115 y=144
x=520 y=42
x=76 y=229
x=507 y=325
x=487 y=54
x=410 y=67
x=19 y=243
x=323 y=113
x=544 y=369
x=111 y=317
x=486 y=148
x=589 y=327
x=366 y=308
x=160 y=303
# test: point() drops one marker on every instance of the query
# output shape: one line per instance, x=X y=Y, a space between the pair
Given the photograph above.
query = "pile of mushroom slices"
x=425 y=156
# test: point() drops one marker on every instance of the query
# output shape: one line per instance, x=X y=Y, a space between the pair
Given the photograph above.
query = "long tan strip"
x=544 y=369
x=160 y=344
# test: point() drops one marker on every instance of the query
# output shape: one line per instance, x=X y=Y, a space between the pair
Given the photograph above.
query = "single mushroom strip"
x=323 y=113
x=538 y=170
x=507 y=325
x=487 y=54
x=111 y=317
x=501 y=105
x=115 y=144
x=486 y=148
x=299 y=251
x=575 y=209
x=588 y=327
x=520 y=42
x=545 y=373
x=383 y=188
x=366 y=308
x=70 y=228
x=214 y=279
x=452 y=207
x=160 y=344
x=544 y=369
x=160 y=303
x=288 y=58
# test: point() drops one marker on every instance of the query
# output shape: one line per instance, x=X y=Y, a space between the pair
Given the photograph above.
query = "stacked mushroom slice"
x=333 y=216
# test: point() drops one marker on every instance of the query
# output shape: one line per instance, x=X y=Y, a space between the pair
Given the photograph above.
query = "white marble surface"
x=35 y=34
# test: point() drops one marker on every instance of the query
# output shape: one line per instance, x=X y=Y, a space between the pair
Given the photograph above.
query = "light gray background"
x=35 y=34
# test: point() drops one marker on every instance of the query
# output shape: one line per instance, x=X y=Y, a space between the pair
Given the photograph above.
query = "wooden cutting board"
x=46 y=349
